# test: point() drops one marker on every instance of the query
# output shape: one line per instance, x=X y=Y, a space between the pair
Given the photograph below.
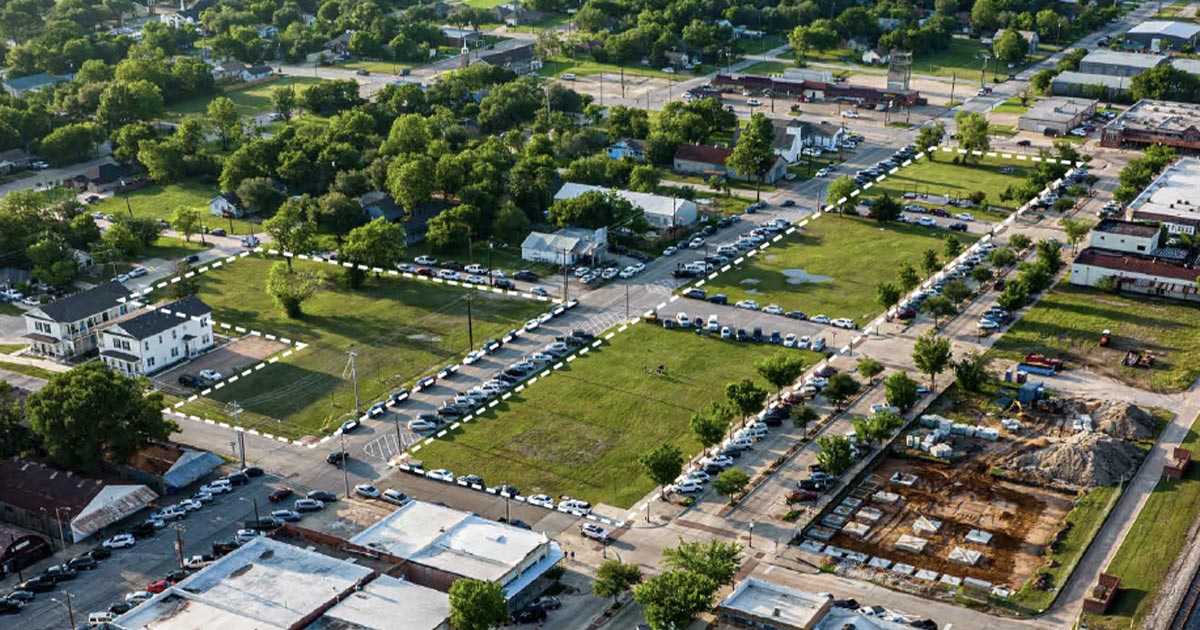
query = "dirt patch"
x=1084 y=460
x=1022 y=520
x=1123 y=420
x=229 y=359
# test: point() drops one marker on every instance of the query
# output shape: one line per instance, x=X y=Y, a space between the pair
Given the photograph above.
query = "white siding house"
x=69 y=327
x=660 y=211
x=158 y=337
x=567 y=246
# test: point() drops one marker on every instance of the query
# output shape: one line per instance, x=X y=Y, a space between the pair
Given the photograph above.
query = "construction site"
x=973 y=497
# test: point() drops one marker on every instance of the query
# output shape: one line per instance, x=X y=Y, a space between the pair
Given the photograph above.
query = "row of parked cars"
x=869 y=174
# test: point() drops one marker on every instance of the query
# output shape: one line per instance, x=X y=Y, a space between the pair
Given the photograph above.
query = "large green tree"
x=91 y=414
x=614 y=578
x=754 y=154
x=290 y=289
x=931 y=355
x=477 y=604
x=780 y=369
x=900 y=390
x=379 y=243
x=672 y=600
x=662 y=464
x=715 y=559
x=746 y=397
x=973 y=133
x=291 y=229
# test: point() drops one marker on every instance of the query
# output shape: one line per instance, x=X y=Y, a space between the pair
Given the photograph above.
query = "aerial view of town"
x=599 y=314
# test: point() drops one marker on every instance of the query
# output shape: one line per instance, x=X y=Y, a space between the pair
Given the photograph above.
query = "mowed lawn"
x=250 y=101
x=401 y=329
x=580 y=431
x=964 y=59
x=1155 y=541
x=160 y=202
x=942 y=177
x=1068 y=321
x=845 y=259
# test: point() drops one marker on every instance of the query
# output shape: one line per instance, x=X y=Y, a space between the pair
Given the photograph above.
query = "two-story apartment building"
x=1134 y=255
x=158 y=337
x=70 y=327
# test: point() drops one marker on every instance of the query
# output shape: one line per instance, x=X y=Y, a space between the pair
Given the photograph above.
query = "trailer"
x=1034 y=358
x=1040 y=370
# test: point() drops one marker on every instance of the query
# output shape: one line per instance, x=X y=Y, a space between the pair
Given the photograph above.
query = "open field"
x=582 y=430
x=160 y=202
x=401 y=330
x=11 y=348
x=1013 y=106
x=1155 y=541
x=964 y=58
x=831 y=266
x=558 y=66
x=767 y=67
x=9 y=309
x=374 y=66
x=171 y=248
x=27 y=370
x=1067 y=323
x=941 y=177
x=255 y=99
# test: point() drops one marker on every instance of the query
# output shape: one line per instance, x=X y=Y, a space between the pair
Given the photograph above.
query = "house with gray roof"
x=21 y=86
x=67 y=328
x=1119 y=63
x=158 y=337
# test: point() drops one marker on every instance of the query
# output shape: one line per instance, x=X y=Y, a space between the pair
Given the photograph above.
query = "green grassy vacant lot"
x=160 y=202
x=964 y=59
x=374 y=66
x=767 y=67
x=401 y=329
x=558 y=66
x=850 y=255
x=1013 y=106
x=940 y=176
x=1156 y=539
x=1067 y=322
x=581 y=431
x=255 y=99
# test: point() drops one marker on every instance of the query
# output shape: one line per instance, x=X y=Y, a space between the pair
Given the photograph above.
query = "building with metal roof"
x=1163 y=34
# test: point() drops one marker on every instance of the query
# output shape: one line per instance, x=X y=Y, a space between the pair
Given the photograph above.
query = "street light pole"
x=62 y=537
x=751 y=534
x=345 y=471
x=70 y=608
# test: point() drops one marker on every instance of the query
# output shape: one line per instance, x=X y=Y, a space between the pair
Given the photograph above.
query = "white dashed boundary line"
x=539 y=376
x=856 y=192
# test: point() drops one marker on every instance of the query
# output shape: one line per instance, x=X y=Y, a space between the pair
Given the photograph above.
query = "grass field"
x=9 y=309
x=401 y=329
x=27 y=370
x=1156 y=539
x=1013 y=106
x=1067 y=323
x=851 y=255
x=964 y=58
x=940 y=176
x=374 y=67
x=558 y=66
x=160 y=202
x=249 y=101
x=171 y=248
x=11 y=348
x=580 y=432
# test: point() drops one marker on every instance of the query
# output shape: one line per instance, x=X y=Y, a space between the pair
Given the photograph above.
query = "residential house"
x=707 y=161
x=678 y=59
x=513 y=14
x=378 y=204
x=459 y=37
x=113 y=176
x=825 y=136
x=786 y=139
x=259 y=72
x=659 y=211
x=14 y=159
x=521 y=59
x=267 y=31
x=1030 y=38
x=887 y=24
x=875 y=57
x=228 y=70
x=628 y=148
x=1133 y=254
x=226 y=204
x=186 y=15
x=21 y=86
x=82 y=258
x=335 y=48
x=567 y=246
x=67 y=328
x=1163 y=34
x=158 y=337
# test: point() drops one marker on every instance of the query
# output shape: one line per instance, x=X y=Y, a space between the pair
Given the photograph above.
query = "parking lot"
x=227 y=360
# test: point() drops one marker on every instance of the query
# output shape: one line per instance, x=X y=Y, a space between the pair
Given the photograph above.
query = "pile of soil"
x=1083 y=460
x=1123 y=420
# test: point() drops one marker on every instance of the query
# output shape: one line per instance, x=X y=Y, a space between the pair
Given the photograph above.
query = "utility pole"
x=564 y=261
x=470 y=326
x=256 y=517
x=983 y=70
x=237 y=430
x=70 y=608
x=953 y=82
x=345 y=472
x=491 y=278
x=399 y=442
x=20 y=575
x=179 y=542
x=507 y=516
x=626 y=301
x=354 y=377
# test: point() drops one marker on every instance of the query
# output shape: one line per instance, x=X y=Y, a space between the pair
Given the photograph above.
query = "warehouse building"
x=1155 y=122
x=1118 y=63
x=1163 y=34
x=1056 y=116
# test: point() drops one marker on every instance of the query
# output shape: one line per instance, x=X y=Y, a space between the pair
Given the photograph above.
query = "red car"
x=279 y=494
x=158 y=586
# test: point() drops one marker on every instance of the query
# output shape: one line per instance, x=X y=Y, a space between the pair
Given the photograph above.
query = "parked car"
x=279 y=494
x=367 y=490
x=593 y=531
x=120 y=541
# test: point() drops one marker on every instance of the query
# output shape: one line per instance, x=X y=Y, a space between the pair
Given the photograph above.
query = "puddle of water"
x=800 y=276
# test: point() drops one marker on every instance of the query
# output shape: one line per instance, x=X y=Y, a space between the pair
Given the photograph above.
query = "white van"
x=818 y=344
x=727 y=250
x=98 y=618
x=714 y=324
x=682 y=319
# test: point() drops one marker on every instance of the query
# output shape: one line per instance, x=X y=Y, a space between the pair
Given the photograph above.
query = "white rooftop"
x=649 y=203
x=384 y=601
x=459 y=542
x=767 y=600
x=1059 y=108
x=1173 y=192
x=262 y=585
x=1105 y=56
x=1166 y=27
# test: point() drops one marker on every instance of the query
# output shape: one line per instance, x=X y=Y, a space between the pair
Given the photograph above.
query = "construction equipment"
x=1043 y=361
x=1137 y=358
x=1105 y=338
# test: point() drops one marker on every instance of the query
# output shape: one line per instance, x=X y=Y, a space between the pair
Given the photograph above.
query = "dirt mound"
x=1082 y=460
x=1123 y=420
